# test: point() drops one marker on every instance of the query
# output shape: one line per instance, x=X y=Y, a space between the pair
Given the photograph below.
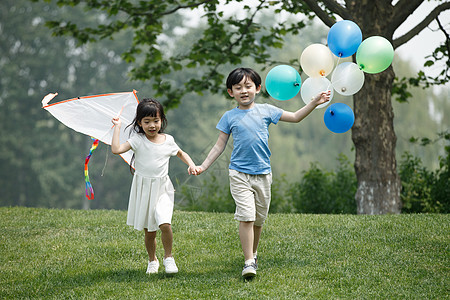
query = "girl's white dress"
x=152 y=193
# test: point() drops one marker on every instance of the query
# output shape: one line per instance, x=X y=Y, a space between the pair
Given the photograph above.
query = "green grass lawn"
x=63 y=254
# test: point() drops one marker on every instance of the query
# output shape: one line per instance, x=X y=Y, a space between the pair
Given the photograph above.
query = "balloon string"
x=89 y=189
x=106 y=161
x=337 y=63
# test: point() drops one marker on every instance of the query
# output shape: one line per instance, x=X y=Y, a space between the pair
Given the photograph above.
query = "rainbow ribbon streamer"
x=89 y=189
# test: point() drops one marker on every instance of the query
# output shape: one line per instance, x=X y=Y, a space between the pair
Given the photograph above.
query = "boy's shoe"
x=249 y=270
x=170 y=265
x=256 y=262
x=153 y=267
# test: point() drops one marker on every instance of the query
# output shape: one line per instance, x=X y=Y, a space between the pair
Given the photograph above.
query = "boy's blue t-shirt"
x=250 y=130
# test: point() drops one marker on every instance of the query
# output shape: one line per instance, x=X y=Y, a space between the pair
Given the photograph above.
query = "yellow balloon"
x=317 y=60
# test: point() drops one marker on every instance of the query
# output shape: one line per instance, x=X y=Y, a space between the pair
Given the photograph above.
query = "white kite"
x=92 y=115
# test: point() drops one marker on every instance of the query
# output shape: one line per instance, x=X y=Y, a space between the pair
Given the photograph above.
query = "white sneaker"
x=249 y=270
x=169 y=264
x=153 y=267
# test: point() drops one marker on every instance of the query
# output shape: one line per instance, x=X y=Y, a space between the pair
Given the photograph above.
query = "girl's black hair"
x=147 y=108
x=238 y=74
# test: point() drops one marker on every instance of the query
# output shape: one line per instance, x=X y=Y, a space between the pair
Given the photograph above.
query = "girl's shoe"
x=153 y=267
x=170 y=265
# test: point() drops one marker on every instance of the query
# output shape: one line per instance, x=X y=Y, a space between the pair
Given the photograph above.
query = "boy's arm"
x=215 y=152
x=187 y=160
x=300 y=114
x=116 y=147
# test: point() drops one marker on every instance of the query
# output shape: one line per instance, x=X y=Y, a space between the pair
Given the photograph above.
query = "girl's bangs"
x=150 y=111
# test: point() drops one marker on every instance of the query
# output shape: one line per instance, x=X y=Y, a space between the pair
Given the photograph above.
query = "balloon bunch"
x=373 y=55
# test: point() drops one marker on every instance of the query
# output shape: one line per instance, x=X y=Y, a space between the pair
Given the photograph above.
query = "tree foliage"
x=440 y=56
x=224 y=39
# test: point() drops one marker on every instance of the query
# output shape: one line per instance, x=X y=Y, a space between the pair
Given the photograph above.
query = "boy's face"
x=244 y=92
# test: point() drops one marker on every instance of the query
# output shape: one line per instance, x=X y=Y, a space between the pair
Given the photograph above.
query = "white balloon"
x=347 y=78
x=313 y=86
x=317 y=60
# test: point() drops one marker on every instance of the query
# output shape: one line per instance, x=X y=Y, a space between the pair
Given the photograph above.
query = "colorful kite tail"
x=89 y=189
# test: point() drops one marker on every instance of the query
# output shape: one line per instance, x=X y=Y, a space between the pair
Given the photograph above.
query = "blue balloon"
x=344 y=38
x=283 y=82
x=339 y=117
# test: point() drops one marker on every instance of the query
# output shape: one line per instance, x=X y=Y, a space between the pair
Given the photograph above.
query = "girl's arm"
x=215 y=152
x=187 y=160
x=295 y=117
x=116 y=147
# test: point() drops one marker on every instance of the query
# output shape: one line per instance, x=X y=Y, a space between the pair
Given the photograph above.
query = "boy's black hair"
x=238 y=74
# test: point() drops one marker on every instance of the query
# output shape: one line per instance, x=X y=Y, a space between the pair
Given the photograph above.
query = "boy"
x=250 y=172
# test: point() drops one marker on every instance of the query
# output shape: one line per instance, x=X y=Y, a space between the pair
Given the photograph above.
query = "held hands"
x=191 y=170
x=199 y=170
x=195 y=170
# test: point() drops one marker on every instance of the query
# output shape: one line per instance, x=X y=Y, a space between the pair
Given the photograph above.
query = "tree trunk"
x=373 y=131
x=374 y=138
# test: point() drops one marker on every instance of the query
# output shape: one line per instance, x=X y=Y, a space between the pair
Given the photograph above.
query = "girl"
x=152 y=195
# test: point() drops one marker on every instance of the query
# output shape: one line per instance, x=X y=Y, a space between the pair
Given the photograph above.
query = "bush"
x=326 y=192
x=344 y=186
x=416 y=185
x=310 y=195
x=212 y=195
x=441 y=188
x=281 y=201
x=426 y=191
x=317 y=192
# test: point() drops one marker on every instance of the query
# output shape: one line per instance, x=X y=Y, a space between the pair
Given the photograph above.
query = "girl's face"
x=151 y=125
x=244 y=92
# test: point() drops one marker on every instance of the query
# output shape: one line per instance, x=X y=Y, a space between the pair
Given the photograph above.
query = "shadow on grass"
x=139 y=275
x=78 y=282
x=283 y=262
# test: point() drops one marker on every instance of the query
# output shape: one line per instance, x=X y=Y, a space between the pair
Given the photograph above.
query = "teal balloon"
x=344 y=38
x=339 y=117
x=375 y=54
x=283 y=82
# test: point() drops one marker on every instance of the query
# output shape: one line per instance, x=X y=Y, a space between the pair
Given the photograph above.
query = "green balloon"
x=375 y=54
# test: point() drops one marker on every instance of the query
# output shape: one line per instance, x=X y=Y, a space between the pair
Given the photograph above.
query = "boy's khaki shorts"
x=251 y=193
